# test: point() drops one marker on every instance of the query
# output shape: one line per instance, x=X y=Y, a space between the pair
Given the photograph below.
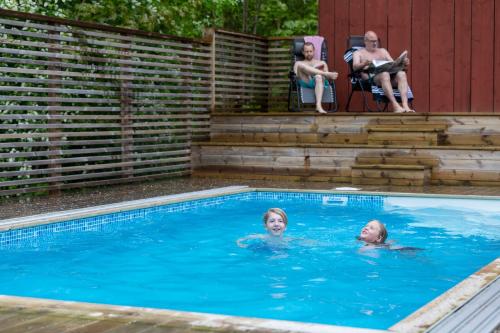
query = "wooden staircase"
x=414 y=133
x=389 y=168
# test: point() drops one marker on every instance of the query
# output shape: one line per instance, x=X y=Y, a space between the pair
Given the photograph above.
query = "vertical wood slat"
x=54 y=114
x=482 y=46
x=356 y=27
x=341 y=28
x=441 y=55
x=326 y=28
x=496 y=69
x=399 y=29
x=462 y=74
x=126 y=96
x=335 y=43
x=420 y=60
x=377 y=21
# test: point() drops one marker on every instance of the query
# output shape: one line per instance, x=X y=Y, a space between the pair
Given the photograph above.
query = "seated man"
x=363 y=58
x=311 y=74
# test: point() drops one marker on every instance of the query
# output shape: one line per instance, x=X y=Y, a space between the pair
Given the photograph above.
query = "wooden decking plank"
x=99 y=326
x=20 y=318
x=47 y=324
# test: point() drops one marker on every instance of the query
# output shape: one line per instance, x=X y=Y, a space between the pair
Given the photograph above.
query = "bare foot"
x=320 y=110
x=409 y=110
x=399 y=110
x=331 y=75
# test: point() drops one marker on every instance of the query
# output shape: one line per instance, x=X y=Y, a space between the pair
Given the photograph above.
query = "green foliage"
x=184 y=17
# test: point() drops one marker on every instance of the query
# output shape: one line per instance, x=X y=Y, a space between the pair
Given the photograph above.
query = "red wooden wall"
x=454 y=48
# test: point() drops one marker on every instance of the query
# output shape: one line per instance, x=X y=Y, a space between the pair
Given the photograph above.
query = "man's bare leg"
x=384 y=80
x=318 y=92
x=304 y=72
x=403 y=89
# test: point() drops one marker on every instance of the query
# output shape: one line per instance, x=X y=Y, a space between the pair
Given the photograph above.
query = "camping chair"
x=298 y=95
x=366 y=87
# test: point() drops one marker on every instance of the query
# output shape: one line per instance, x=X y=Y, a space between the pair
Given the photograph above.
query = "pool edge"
x=48 y=218
x=450 y=301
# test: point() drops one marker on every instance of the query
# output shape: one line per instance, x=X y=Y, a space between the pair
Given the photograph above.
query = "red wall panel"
x=441 y=56
x=483 y=26
x=420 y=56
x=342 y=30
x=496 y=70
x=454 y=47
x=462 y=79
x=356 y=27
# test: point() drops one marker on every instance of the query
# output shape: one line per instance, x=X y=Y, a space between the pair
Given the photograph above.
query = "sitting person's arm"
x=321 y=65
x=387 y=56
x=358 y=63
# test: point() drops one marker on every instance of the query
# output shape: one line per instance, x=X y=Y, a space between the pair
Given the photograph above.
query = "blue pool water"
x=185 y=257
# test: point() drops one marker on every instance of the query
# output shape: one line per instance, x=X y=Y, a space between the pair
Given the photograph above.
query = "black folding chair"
x=298 y=95
x=366 y=87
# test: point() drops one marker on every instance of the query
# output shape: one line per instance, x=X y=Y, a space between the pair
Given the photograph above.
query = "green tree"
x=184 y=17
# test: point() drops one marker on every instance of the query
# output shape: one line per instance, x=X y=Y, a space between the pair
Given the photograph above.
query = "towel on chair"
x=317 y=41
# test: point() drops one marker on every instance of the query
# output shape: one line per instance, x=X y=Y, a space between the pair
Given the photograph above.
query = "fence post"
x=55 y=133
x=126 y=96
x=209 y=36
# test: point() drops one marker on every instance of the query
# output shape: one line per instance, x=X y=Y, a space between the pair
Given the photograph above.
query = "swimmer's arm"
x=241 y=241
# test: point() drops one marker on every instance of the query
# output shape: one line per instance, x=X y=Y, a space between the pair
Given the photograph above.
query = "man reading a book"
x=313 y=73
x=376 y=63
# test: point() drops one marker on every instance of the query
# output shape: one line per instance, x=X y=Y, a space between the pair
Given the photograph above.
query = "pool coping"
x=419 y=321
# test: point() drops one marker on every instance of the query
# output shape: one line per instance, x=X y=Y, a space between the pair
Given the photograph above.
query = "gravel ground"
x=31 y=205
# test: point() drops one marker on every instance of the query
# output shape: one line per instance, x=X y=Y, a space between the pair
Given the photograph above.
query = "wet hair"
x=307 y=44
x=383 y=231
x=278 y=211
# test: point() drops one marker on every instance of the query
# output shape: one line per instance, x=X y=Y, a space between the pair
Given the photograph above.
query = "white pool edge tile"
x=26 y=221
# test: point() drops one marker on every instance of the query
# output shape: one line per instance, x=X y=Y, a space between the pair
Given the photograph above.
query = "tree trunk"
x=256 y=16
x=245 y=15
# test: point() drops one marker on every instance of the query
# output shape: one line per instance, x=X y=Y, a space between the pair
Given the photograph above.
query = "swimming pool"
x=183 y=256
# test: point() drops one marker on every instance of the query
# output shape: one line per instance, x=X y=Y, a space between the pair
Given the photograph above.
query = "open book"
x=379 y=66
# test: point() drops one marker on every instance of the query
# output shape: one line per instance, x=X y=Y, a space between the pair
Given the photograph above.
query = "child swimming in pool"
x=374 y=234
x=275 y=223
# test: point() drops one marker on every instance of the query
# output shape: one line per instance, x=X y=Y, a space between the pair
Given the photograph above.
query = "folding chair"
x=298 y=95
x=366 y=87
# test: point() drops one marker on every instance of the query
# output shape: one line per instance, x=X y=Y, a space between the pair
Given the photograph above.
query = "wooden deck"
x=358 y=148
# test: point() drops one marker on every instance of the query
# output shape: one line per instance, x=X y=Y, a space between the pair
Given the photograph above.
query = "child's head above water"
x=373 y=232
x=275 y=221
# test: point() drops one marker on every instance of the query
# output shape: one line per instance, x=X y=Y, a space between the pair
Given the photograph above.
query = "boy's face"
x=275 y=225
x=308 y=52
x=371 y=232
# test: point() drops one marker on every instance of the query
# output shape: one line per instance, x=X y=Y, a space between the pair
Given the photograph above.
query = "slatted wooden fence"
x=84 y=104
x=250 y=72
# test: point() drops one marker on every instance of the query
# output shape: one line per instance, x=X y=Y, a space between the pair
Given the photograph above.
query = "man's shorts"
x=311 y=84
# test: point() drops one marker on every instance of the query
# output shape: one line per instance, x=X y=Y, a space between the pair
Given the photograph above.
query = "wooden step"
x=394 y=119
x=342 y=175
x=407 y=128
x=404 y=138
x=390 y=174
x=430 y=161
